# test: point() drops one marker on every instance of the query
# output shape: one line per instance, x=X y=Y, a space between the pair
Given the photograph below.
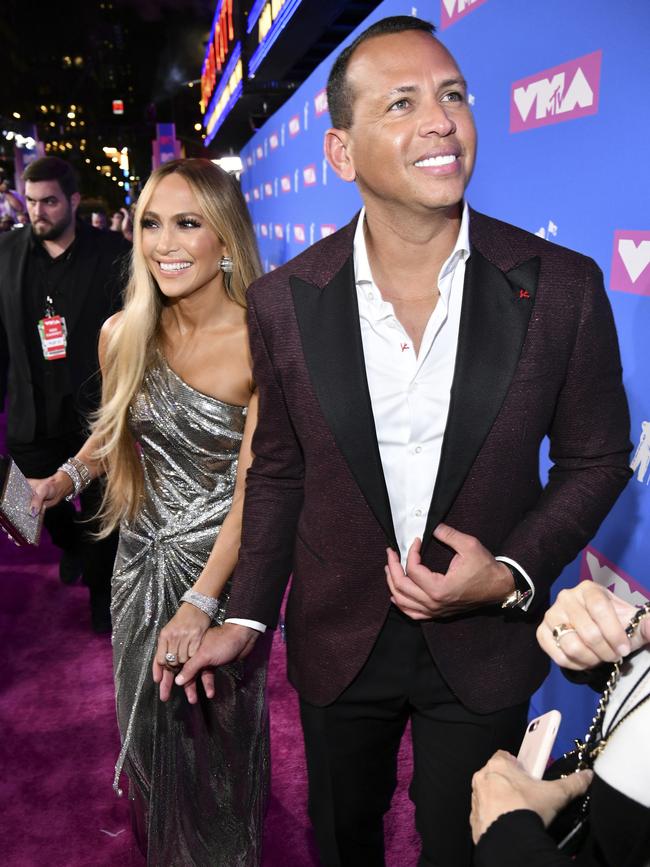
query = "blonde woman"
x=173 y=437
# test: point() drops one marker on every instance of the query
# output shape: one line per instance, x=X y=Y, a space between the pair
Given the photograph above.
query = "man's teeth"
x=174 y=266
x=437 y=161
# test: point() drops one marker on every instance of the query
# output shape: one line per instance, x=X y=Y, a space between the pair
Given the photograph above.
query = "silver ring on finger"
x=171 y=658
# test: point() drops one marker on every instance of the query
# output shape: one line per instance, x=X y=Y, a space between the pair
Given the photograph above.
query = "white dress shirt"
x=410 y=393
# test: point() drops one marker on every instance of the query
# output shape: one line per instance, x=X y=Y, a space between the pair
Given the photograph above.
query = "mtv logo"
x=268 y=189
x=641 y=459
x=279 y=231
x=274 y=140
x=285 y=184
x=309 y=175
x=320 y=102
x=259 y=152
x=561 y=93
x=256 y=193
x=550 y=230
x=327 y=229
x=453 y=10
x=294 y=125
x=299 y=233
x=630 y=260
x=264 y=230
x=596 y=567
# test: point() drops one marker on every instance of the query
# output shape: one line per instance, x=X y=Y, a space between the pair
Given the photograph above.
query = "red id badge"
x=53 y=333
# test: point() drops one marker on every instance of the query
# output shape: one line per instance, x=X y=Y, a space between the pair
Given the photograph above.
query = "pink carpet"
x=58 y=738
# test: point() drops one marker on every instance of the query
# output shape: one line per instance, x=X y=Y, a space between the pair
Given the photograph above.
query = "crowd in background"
x=14 y=215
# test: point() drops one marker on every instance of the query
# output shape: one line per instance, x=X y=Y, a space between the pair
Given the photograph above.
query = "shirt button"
x=371 y=296
x=417 y=450
x=418 y=513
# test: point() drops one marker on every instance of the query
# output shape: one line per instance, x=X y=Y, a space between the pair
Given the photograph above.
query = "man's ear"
x=338 y=149
x=75 y=198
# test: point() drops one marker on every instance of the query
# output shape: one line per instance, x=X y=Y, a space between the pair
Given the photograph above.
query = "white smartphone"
x=538 y=742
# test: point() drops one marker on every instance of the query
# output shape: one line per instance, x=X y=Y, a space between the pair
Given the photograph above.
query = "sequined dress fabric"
x=197 y=774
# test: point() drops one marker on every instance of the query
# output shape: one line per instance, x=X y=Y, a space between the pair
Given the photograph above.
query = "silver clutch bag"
x=15 y=497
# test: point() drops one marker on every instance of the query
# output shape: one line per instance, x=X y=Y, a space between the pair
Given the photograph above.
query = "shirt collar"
x=38 y=247
x=362 y=271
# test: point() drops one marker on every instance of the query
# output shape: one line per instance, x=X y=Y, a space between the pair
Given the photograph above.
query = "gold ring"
x=559 y=631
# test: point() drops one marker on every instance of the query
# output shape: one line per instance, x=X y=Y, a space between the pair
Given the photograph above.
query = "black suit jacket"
x=100 y=275
x=537 y=355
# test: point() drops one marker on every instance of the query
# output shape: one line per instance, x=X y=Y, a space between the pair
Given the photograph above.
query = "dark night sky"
x=142 y=51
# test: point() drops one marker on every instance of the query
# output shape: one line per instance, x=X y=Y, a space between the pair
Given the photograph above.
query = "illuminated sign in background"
x=223 y=73
x=222 y=35
x=553 y=178
x=274 y=17
x=165 y=146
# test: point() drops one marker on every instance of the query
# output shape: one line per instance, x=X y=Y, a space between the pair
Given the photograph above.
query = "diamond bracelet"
x=79 y=476
x=208 y=604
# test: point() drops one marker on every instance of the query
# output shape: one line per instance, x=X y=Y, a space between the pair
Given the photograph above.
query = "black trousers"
x=69 y=529
x=352 y=747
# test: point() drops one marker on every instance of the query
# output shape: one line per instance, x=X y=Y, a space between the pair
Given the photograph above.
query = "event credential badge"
x=53 y=334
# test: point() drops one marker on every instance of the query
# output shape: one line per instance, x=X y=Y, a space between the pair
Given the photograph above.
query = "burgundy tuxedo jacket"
x=537 y=355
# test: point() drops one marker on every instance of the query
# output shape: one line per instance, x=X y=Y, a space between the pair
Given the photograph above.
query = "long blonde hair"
x=131 y=344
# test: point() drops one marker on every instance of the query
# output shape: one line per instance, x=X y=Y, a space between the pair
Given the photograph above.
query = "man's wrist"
x=251 y=624
x=523 y=589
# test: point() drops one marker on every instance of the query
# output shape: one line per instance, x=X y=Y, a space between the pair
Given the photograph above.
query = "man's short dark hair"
x=340 y=98
x=53 y=169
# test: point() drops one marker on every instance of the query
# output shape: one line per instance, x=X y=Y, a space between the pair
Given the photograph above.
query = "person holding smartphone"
x=511 y=810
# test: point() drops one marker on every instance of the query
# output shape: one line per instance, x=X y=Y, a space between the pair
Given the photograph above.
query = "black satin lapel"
x=328 y=320
x=524 y=278
x=494 y=320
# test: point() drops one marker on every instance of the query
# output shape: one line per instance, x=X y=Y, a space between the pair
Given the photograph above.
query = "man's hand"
x=503 y=786
x=596 y=620
x=220 y=645
x=474 y=578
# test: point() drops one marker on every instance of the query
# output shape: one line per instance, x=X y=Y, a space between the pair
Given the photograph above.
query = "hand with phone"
x=537 y=743
x=503 y=786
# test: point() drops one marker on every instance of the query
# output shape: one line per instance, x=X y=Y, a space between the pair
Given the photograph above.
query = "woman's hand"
x=594 y=621
x=181 y=637
x=503 y=786
x=50 y=491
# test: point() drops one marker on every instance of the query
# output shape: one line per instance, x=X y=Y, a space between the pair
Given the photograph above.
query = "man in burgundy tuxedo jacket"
x=409 y=367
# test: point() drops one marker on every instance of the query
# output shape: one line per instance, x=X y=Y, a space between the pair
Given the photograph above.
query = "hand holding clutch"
x=16 y=518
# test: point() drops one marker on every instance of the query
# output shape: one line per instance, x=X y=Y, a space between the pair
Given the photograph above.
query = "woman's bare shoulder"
x=107 y=330
x=109 y=325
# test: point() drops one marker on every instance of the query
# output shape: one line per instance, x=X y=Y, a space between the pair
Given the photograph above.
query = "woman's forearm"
x=223 y=557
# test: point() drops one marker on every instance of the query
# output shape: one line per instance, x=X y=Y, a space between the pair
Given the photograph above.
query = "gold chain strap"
x=593 y=742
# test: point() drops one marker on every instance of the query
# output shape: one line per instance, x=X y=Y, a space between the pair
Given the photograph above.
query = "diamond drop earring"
x=225 y=263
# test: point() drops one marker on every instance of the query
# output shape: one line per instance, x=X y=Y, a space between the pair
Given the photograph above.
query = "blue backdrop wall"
x=559 y=91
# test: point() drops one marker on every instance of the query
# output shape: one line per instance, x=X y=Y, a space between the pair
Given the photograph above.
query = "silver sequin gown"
x=197 y=773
